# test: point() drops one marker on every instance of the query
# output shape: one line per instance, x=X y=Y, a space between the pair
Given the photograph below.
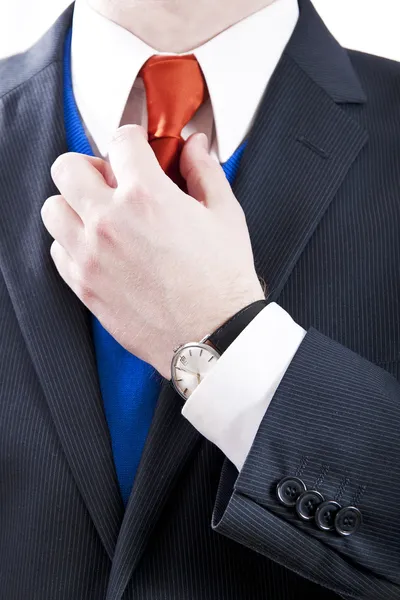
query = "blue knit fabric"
x=129 y=386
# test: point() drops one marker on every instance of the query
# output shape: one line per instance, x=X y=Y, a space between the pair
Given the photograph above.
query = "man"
x=199 y=383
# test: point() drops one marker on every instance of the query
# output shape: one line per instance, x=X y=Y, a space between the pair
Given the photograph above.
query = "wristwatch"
x=192 y=361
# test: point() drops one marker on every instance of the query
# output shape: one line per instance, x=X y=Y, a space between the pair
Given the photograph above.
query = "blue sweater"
x=129 y=386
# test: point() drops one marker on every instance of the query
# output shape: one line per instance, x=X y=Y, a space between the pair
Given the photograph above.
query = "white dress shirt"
x=229 y=404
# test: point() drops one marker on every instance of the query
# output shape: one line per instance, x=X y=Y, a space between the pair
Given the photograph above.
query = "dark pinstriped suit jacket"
x=320 y=185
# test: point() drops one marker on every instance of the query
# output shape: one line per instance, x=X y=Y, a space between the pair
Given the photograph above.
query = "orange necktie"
x=175 y=90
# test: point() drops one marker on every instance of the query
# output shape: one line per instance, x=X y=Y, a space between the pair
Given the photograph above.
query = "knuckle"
x=89 y=268
x=85 y=293
x=140 y=194
x=137 y=194
x=199 y=172
x=54 y=250
x=49 y=204
x=64 y=162
x=52 y=200
x=124 y=133
x=103 y=228
x=119 y=137
x=59 y=166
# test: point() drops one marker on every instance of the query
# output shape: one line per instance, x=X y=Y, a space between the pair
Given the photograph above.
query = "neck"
x=176 y=25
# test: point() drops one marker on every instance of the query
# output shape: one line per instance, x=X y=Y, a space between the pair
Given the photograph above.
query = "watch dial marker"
x=190 y=352
x=201 y=351
x=210 y=359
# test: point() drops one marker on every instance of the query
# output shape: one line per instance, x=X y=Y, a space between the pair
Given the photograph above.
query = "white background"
x=369 y=25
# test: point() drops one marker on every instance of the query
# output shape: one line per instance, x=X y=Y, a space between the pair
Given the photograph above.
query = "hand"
x=156 y=266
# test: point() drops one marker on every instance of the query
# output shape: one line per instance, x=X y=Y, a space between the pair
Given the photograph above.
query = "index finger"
x=132 y=158
x=80 y=181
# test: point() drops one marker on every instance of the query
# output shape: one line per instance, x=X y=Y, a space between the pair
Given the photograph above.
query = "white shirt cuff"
x=231 y=401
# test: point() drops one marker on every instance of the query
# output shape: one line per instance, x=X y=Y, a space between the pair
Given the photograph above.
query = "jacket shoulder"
x=20 y=68
x=380 y=80
x=376 y=74
x=14 y=71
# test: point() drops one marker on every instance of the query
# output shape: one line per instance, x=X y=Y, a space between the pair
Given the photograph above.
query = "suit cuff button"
x=348 y=520
x=325 y=515
x=289 y=489
x=307 y=503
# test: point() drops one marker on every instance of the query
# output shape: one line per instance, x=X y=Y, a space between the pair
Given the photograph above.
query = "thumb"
x=205 y=179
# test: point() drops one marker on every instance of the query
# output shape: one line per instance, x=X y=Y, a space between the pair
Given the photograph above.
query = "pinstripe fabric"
x=319 y=182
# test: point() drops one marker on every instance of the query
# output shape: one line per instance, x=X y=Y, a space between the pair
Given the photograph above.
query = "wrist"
x=218 y=316
x=227 y=333
x=228 y=309
x=191 y=362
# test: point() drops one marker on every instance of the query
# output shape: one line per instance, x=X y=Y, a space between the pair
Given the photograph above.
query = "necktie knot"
x=175 y=90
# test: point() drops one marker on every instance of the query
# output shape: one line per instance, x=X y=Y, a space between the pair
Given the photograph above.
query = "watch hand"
x=186 y=371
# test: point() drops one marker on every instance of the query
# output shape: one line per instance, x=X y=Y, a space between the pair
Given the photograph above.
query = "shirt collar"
x=237 y=65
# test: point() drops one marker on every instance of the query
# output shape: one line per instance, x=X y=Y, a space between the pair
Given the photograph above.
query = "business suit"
x=320 y=185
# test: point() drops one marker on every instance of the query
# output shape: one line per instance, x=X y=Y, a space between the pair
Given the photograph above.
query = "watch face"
x=190 y=365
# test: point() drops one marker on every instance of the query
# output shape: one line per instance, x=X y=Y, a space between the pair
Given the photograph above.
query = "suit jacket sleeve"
x=333 y=421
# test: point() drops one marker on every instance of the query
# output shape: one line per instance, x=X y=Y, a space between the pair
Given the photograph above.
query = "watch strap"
x=223 y=337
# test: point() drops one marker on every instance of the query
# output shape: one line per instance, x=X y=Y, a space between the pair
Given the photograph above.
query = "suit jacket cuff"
x=230 y=403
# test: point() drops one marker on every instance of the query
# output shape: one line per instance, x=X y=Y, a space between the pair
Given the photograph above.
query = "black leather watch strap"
x=223 y=337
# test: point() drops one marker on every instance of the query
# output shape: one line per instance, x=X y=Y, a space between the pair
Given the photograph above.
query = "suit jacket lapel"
x=301 y=146
x=54 y=323
x=170 y=444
